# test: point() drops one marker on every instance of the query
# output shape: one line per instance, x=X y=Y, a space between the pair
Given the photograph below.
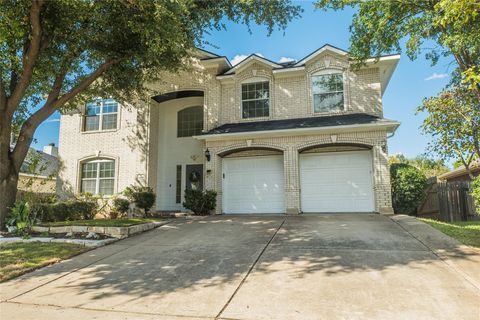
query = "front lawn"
x=127 y=222
x=467 y=232
x=22 y=257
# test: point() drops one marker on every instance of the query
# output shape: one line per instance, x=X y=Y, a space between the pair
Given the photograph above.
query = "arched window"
x=328 y=94
x=98 y=176
x=190 y=121
x=255 y=98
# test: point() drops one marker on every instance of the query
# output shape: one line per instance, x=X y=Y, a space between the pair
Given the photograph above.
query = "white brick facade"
x=135 y=144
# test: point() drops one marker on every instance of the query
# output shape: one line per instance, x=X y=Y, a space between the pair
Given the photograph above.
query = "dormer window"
x=328 y=94
x=101 y=114
x=255 y=99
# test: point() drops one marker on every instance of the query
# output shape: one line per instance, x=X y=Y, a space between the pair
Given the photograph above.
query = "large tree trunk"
x=8 y=193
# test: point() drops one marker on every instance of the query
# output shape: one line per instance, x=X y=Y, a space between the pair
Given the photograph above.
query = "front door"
x=194 y=177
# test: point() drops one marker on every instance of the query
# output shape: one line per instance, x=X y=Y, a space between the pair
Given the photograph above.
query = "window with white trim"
x=100 y=114
x=255 y=99
x=98 y=176
x=328 y=94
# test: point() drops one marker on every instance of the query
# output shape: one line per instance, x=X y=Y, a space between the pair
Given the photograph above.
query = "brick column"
x=292 y=188
x=382 y=188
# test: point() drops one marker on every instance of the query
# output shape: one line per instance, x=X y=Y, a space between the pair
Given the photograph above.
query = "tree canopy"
x=434 y=27
x=53 y=53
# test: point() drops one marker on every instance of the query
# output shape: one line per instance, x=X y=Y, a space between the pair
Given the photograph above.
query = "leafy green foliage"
x=74 y=209
x=429 y=167
x=143 y=197
x=21 y=219
x=476 y=193
x=453 y=120
x=56 y=55
x=120 y=207
x=200 y=202
x=408 y=187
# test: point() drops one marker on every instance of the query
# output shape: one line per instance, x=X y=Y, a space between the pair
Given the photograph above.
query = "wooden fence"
x=448 y=201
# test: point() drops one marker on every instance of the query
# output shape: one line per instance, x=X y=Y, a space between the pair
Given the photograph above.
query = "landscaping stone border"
x=114 y=232
x=84 y=242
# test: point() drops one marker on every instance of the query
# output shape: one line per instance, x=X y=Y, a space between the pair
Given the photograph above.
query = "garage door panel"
x=253 y=185
x=336 y=182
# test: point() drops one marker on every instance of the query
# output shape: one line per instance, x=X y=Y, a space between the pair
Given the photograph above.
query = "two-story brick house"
x=306 y=136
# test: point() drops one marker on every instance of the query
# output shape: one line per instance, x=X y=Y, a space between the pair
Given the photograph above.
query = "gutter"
x=393 y=125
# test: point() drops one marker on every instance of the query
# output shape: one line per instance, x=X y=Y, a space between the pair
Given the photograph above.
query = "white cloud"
x=285 y=59
x=436 y=76
x=53 y=120
x=238 y=58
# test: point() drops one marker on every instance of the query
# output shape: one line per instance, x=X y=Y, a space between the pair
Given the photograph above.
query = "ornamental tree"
x=453 y=121
x=53 y=53
x=379 y=26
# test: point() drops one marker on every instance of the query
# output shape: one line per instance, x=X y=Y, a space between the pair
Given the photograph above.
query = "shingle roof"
x=311 y=122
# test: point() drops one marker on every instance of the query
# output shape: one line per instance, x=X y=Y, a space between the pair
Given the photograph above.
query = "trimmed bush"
x=476 y=193
x=200 y=202
x=120 y=207
x=66 y=211
x=143 y=197
x=408 y=188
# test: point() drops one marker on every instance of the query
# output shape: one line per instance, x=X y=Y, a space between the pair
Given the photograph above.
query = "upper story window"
x=190 y=122
x=98 y=176
x=255 y=99
x=101 y=114
x=328 y=92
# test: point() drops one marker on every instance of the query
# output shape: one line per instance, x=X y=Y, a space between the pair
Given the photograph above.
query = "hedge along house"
x=306 y=136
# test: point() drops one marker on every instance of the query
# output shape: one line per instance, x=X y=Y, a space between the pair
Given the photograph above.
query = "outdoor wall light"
x=207 y=154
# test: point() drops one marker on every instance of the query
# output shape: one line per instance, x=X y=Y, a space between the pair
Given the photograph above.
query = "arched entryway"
x=176 y=158
x=336 y=178
x=253 y=181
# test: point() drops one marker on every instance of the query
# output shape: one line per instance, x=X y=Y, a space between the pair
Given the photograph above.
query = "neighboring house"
x=39 y=170
x=461 y=173
x=307 y=136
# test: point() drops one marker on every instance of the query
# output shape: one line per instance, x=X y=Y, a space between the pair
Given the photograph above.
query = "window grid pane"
x=101 y=114
x=109 y=121
x=190 y=122
x=89 y=186
x=255 y=99
x=106 y=186
x=328 y=92
x=98 y=175
x=92 y=123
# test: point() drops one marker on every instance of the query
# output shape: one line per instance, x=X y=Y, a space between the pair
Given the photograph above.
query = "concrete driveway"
x=339 y=266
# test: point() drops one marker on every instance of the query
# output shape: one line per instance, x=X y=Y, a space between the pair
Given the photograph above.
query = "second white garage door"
x=336 y=182
x=253 y=185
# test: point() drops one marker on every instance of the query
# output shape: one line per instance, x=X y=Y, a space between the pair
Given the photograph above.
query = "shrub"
x=200 y=202
x=408 y=187
x=21 y=219
x=86 y=205
x=120 y=207
x=75 y=209
x=476 y=193
x=143 y=197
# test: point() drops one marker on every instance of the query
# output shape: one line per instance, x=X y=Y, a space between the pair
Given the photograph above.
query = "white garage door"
x=336 y=182
x=253 y=185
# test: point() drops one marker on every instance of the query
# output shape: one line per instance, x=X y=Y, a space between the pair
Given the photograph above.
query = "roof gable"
x=319 y=51
x=249 y=59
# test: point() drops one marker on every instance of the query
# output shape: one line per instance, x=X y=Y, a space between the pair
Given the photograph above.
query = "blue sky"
x=407 y=88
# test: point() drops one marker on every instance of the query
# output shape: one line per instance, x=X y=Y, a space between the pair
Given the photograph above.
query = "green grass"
x=22 y=257
x=467 y=232
x=101 y=222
